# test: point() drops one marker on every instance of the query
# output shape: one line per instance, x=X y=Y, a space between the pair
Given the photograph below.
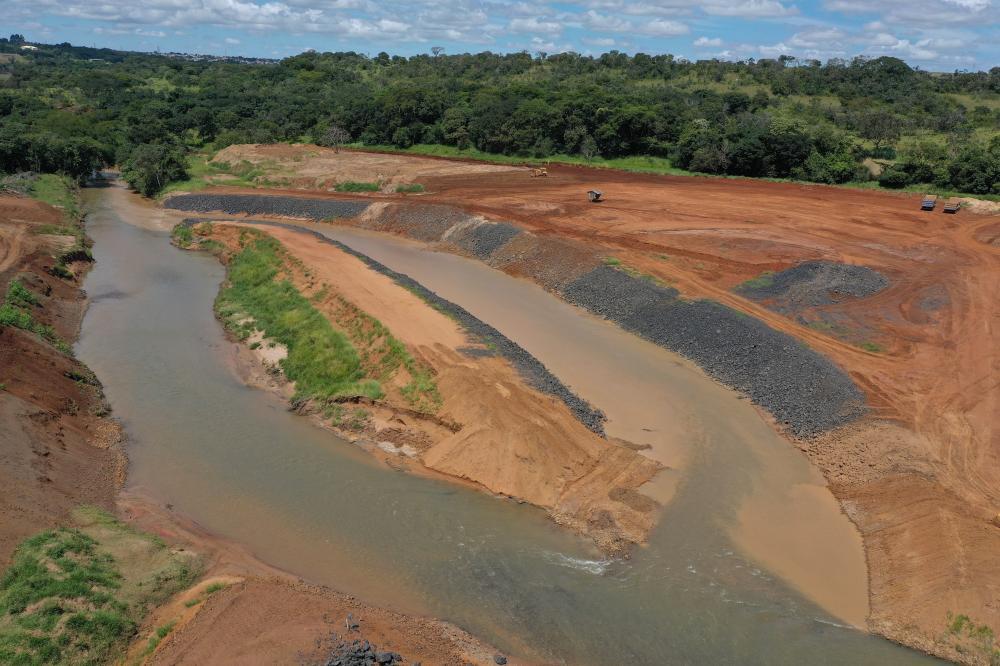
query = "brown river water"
x=751 y=562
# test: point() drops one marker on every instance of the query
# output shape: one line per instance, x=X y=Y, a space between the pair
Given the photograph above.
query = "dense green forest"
x=71 y=109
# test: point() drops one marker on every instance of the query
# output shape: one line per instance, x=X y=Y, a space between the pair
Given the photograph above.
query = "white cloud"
x=821 y=38
x=534 y=25
x=754 y=8
x=232 y=40
x=774 y=50
x=705 y=41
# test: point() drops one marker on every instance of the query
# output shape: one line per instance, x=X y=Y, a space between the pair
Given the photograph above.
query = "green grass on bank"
x=383 y=355
x=78 y=595
x=58 y=191
x=16 y=311
x=639 y=164
x=321 y=360
x=61 y=192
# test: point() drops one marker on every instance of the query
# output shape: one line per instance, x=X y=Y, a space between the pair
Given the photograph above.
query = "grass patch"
x=15 y=311
x=612 y=261
x=55 y=230
x=382 y=355
x=321 y=360
x=354 y=186
x=968 y=636
x=161 y=632
x=183 y=235
x=201 y=171
x=762 y=281
x=873 y=347
x=62 y=192
x=409 y=188
x=78 y=595
x=58 y=603
x=58 y=191
x=638 y=164
x=213 y=588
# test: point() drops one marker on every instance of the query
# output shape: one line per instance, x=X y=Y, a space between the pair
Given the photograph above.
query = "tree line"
x=74 y=109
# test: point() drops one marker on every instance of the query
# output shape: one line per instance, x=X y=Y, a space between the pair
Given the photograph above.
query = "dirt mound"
x=320 y=168
x=301 y=208
x=813 y=284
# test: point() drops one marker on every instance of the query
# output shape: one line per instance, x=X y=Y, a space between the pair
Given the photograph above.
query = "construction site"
x=862 y=324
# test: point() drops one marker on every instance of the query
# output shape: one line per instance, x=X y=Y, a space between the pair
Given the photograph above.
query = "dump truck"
x=928 y=201
x=952 y=205
x=594 y=195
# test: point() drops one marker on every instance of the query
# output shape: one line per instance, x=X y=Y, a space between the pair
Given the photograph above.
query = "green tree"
x=152 y=166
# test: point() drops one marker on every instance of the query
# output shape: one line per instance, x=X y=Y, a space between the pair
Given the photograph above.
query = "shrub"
x=352 y=186
x=894 y=177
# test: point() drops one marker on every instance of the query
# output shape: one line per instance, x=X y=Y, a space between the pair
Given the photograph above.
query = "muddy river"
x=751 y=561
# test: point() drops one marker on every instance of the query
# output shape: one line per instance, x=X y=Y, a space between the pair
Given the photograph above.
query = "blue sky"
x=932 y=34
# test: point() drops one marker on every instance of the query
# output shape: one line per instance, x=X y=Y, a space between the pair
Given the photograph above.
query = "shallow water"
x=236 y=461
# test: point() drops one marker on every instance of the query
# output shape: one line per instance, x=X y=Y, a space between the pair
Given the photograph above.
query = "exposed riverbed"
x=236 y=461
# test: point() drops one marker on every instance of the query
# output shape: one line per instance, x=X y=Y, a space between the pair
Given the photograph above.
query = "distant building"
x=28 y=47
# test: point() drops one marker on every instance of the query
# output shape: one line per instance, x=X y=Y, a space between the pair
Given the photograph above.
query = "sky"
x=938 y=35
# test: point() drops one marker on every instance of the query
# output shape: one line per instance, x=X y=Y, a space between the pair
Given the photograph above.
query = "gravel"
x=813 y=284
x=256 y=204
x=799 y=386
x=551 y=262
x=482 y=238
x=361 y=653
x=427 y=222
x=615 y=294
x=530 y=368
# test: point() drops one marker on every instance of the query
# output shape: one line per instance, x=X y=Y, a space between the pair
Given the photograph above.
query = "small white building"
x=28 y=47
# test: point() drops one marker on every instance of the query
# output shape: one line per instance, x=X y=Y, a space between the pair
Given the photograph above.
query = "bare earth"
x=55 y=453
x=921 y=475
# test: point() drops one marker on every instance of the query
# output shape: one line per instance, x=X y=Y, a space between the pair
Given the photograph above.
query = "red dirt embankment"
x=57 y=451
x=921 y=475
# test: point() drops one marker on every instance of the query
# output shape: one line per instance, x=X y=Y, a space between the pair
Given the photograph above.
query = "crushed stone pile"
x=813 y=284
x=800 y=387
x=255 y=204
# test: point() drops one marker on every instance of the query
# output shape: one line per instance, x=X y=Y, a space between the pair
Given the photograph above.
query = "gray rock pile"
x=813 y=284
x=800 y=387
x=361 y=653
x=256 y=204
